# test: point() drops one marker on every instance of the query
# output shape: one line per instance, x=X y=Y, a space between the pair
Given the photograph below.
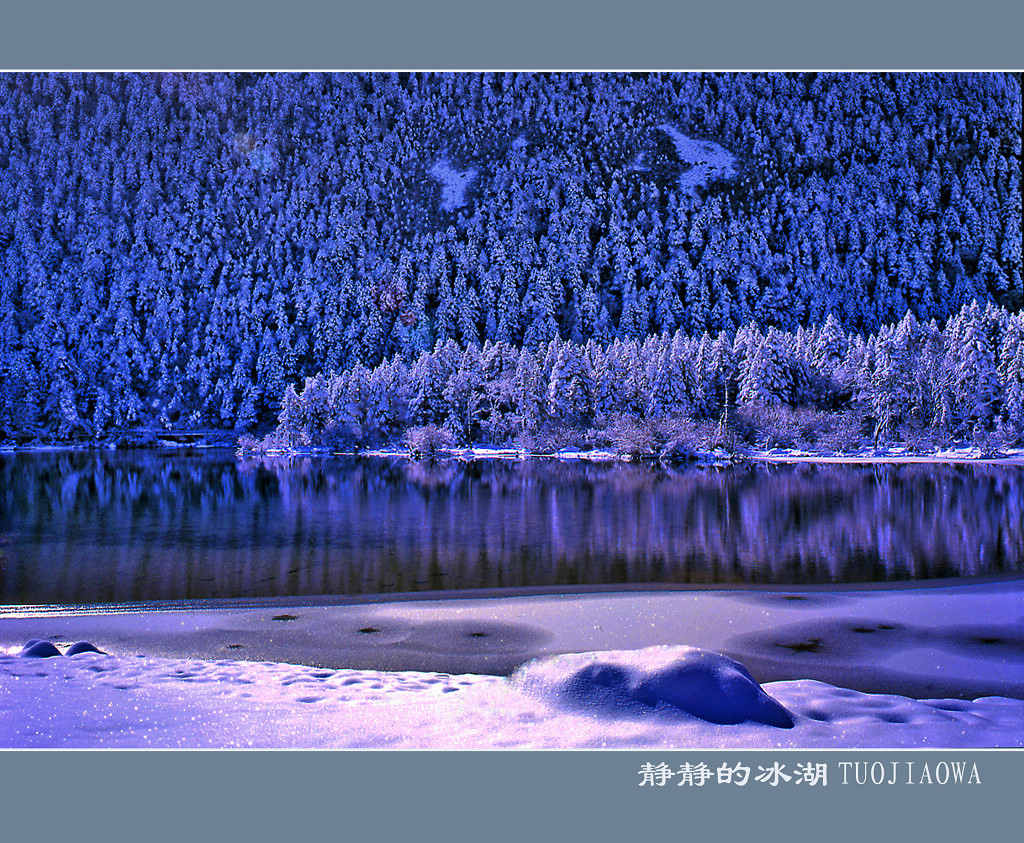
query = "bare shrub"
x=844 y=435
x=546 y=440
x=786 y=427
x=631 y=438
x=428 y=442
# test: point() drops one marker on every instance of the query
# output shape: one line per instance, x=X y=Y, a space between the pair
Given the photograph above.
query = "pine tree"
x=464 y=395
x=189 y=257
x=427 y=382
x=291 y=423
x=1011 y=375
x=527 y=388
x=975 y=375
x=764 y=376
x=571 y=388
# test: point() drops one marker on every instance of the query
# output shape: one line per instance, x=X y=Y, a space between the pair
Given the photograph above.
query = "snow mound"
x=665 y=679
x=36 y=649
x=83 y=647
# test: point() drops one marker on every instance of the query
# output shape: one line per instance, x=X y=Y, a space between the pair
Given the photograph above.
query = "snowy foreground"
x=936 y=665
x=653 y=697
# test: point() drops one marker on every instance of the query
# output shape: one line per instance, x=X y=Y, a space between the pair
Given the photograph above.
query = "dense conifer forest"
x=512 y=257
x=675 y=396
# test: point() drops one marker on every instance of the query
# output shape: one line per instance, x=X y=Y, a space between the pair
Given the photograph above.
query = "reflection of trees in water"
x=133 y=526
x=5 y=540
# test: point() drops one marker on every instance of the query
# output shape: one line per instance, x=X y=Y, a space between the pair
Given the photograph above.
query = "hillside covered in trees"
x=187 y=250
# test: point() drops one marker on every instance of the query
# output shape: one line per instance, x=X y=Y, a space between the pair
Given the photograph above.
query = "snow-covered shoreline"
x=714 y=458
x=1009 y=456
x=933 y=667
x=970 y=455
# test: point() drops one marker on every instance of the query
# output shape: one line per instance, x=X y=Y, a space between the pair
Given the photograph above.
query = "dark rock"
x=39 y=650
x=83 y=647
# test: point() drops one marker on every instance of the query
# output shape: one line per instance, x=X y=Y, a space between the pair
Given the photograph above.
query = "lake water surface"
x=101 y=527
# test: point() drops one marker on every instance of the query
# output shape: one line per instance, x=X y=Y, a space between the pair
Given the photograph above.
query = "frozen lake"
x=103 y=527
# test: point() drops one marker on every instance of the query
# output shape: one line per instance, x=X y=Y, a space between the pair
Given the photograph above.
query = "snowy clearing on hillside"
x=708 y=159
x=92 y=700
x=454 y=183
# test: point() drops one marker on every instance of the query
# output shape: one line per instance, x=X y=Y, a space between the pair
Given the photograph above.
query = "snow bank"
x=656 y=679
x=717 y=458
x=94 y=700
x=1007 y=456
x=957 y=638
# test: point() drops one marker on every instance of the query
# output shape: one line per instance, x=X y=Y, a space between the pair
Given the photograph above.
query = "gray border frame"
x=513 y=35
x=485 y=796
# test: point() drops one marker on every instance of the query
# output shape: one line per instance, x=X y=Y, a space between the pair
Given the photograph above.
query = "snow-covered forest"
x=911 y=383
x=510 y=255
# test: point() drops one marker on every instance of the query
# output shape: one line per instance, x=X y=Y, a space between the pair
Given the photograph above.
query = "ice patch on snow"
x=708 y=160
x=668 y=679
x=454 y=183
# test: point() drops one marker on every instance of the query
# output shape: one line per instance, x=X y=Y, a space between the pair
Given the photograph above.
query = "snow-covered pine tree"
x=972 y=361
x=464 y=396
x=764 y=376
x=1011 y=374
x=528 y=394
x=570 y=394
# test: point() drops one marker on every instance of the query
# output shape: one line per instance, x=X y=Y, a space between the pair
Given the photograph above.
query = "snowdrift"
x=667 y=697
x=663 y=680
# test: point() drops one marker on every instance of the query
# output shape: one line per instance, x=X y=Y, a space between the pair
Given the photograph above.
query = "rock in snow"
x=83 y=647
x=36 y=649
x=667 y=679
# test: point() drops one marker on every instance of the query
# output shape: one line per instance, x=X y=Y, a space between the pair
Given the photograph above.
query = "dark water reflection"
x=110 y=527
